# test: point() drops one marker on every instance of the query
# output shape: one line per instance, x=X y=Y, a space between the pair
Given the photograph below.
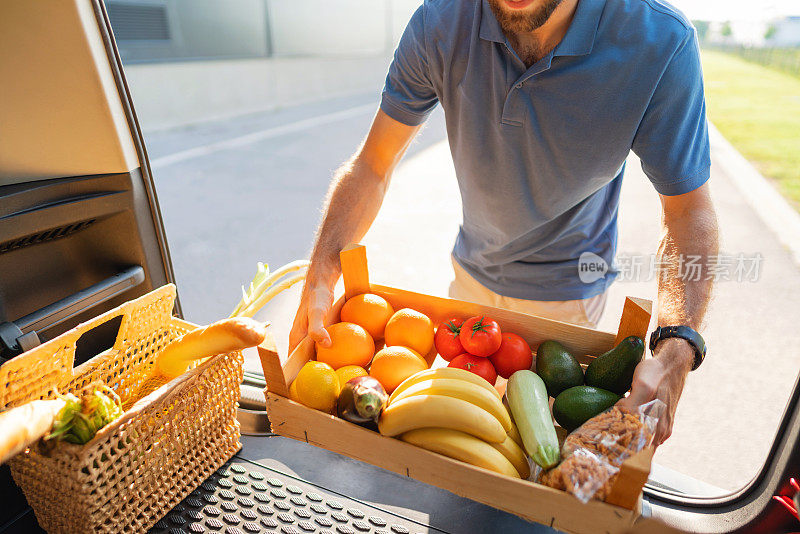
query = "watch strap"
x=684 y=332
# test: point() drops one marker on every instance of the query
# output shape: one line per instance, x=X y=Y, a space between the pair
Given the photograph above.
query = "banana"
x=514 y=434
x=461 y=389
x=461 y=446
x=443 y=372
x=422 y=411
x=515 y=455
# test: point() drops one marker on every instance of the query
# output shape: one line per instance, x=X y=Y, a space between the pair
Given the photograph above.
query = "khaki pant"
x=583 y=312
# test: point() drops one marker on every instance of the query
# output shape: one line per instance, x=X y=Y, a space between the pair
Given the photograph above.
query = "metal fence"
x=783 y=59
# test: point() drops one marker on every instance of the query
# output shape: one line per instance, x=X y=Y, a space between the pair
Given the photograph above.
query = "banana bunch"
x=458 y=414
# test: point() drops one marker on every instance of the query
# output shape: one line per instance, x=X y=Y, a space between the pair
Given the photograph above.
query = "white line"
x=771 y=207
x=204 y=150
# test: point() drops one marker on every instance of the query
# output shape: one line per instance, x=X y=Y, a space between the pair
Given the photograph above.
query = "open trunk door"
x=80 y=228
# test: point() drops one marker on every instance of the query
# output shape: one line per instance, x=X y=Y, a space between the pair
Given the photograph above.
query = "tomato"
x=513 y=355
x=475 y=364
x=480 y=336
x=446 y=339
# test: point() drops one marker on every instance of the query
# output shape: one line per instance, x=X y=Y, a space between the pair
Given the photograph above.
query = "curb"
x=771 y=207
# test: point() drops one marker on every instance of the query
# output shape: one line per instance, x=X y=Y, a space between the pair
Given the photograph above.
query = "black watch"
x=684 y=332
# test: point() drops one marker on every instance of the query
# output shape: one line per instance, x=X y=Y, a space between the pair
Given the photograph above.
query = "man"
x=543 y=101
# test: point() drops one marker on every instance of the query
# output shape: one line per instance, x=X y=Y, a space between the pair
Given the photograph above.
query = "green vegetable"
x=81 y=418
x=613 y=370
x=557 y=367
x=262 y=289
x=530 y=406
x=575 y=406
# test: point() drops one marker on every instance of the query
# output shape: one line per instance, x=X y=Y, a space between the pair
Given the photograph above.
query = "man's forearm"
x=689 y=245
x=354 y=198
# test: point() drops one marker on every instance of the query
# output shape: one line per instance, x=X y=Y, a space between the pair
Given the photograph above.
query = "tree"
x=770 y=33
x=726 y=31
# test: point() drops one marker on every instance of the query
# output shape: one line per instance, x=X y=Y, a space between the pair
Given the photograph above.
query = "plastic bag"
x=593 y=453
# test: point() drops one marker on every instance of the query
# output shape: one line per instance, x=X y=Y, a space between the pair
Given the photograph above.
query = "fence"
x=783 y=59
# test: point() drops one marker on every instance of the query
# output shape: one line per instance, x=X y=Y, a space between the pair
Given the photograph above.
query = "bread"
x=224 y=336
x=22 y=426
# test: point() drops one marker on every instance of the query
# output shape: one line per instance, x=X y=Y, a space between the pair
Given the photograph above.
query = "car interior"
x=81 y=233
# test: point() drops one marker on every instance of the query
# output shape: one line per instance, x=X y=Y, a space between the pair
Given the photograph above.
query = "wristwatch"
x=684 y=332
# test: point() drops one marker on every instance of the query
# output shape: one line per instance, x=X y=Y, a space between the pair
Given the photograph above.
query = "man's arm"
x=690 y=231
x=354 y=198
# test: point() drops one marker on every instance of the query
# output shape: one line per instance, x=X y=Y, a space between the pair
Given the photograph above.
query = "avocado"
x=576 y=405
x=557 y=367
x=614 y=369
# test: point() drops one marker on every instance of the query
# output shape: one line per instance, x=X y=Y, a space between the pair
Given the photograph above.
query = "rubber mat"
x=246 y=498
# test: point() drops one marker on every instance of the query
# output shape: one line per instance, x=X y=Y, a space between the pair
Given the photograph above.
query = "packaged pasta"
x=593 y=453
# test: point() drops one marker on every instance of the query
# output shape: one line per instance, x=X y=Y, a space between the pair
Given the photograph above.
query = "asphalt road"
x=249 y=189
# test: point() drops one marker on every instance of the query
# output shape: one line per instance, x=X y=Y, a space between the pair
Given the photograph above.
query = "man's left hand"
x=662 y=377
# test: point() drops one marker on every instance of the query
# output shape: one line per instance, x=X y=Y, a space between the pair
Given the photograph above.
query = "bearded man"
x=544 y=100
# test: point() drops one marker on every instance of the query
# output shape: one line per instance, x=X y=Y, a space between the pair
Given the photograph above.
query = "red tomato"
x=513 y=355
x=475 y=364
x=480 y=336
x=446 y=339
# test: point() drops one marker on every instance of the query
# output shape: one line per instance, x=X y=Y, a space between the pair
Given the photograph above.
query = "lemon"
x=349 y=371
x=318 y=386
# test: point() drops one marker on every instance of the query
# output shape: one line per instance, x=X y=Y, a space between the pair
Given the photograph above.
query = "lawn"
x=758 y=110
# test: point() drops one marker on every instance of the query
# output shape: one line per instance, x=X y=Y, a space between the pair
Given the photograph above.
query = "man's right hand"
x=315 y=303
x=354 y=199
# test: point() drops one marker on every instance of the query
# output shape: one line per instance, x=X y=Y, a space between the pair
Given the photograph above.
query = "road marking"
x=254 y=137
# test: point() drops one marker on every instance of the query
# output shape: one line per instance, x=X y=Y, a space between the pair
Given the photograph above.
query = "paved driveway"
x=249 y=189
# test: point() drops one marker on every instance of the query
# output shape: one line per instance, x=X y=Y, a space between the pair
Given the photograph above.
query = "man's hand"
x=315 y=303
x=354 y=198
x=661 y=377
x=690 y=231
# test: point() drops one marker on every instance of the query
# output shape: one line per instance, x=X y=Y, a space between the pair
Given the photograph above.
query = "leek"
x=263 y=287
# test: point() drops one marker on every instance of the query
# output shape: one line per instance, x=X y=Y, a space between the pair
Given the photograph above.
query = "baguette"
x=224 y=336
x=24 y=425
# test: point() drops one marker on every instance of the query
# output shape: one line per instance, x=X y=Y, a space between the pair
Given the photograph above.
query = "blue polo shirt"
x=540 y=152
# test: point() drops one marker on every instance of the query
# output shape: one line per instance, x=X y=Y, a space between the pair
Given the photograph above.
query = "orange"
x=412 y=329
x=369 y=311
x=317 y=386
x=349 y=371
x=392 y=365
x=293 y=392
x=350 y=345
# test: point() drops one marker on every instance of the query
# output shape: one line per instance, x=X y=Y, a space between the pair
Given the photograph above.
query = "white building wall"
x=321 y=48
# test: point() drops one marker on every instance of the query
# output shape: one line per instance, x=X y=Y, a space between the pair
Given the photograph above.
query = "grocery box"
x=138 y=467
x=526 y=499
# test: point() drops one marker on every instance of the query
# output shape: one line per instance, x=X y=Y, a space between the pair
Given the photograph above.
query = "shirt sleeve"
x=408 y=95
x=672 y=139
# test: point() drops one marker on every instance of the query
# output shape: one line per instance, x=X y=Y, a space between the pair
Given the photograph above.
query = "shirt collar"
x=579 y=39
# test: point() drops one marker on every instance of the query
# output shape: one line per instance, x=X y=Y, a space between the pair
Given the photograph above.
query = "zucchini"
x=530 y=407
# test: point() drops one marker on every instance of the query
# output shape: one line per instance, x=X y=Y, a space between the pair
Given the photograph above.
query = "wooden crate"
x=526 y=499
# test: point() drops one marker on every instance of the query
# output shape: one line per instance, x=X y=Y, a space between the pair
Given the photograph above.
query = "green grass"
x=757 y=109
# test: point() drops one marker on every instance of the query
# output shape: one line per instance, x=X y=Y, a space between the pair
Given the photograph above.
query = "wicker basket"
x=140 y=466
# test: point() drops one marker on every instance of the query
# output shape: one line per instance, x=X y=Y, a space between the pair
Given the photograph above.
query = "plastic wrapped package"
x=593 y=453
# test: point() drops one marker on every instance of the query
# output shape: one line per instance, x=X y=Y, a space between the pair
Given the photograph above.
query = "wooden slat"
x=271 y=365
x=635 y=319
x=526 y=499
x=631 y=479
x=579 y=340
x=354 y=270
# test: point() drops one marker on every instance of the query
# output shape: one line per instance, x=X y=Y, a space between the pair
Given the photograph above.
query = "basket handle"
x=126 y=310
x=35 y=374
